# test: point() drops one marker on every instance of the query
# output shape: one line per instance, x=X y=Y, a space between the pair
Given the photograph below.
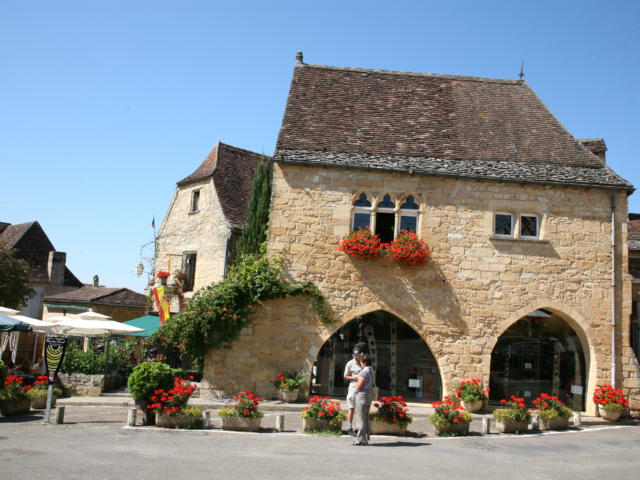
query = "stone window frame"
x=377 y=198
x=513 y=225
x=516 y=215
x=194 y=205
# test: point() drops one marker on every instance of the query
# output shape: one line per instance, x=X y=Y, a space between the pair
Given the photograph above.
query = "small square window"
x=195 y=201
x=529 y=226
x=503 y=225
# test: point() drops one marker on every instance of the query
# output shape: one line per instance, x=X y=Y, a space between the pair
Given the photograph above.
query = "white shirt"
x=352 y=369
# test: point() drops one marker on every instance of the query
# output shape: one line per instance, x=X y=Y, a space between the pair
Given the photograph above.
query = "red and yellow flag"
x=161 y=304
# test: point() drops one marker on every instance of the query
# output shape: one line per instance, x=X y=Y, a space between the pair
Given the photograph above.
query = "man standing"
x=351 y=371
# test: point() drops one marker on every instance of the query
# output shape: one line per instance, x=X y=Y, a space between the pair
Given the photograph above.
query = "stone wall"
x=473 y=289
x=90 y=385
x=204 y=232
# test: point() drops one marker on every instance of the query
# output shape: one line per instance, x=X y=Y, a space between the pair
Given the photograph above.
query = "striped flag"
x=161 y=304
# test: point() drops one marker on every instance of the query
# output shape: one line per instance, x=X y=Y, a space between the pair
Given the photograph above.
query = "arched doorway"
x=403 y=362
x=539 y=353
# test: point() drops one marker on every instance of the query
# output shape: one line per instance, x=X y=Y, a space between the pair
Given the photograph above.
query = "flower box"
x=508 y=426
x=472 y=406
x=39 y=403
x=379 y=427
x=312 y=424
x=558 y=423
x=15 y=407
x=241 y=424
x=175 y=421
x=454 y=428
x=609 y=415
x=288 y=396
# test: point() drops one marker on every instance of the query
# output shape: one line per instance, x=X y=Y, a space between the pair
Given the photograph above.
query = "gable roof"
x=431 y=124
x=100 y=296
x=232 y=170
x=33 y=245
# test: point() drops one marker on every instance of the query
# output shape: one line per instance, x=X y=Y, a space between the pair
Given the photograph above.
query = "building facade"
x=523 y=290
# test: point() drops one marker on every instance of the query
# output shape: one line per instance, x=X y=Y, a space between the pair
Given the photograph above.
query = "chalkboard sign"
x=54 y=348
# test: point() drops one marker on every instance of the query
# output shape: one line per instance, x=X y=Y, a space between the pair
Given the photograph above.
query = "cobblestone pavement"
x=94 y=443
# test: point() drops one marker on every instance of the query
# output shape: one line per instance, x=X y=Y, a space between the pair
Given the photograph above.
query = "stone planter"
x=472 y=406
x=40 y=403
x=379 y=427
x=176 y=421
x=311 y=424
x=507 y=426
x=241 y=424
x=558 y=423
x=459 y=428
x=288 y=396
x=15 y=407
x=609 y=415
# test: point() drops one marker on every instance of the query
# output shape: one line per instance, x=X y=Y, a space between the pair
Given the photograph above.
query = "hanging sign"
x=54 y=348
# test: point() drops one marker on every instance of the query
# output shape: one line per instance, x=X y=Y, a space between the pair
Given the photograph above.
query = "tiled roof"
x=382 y=118
x=633 y=231
x=100 y=296
x=33 y=245
x=232 y=171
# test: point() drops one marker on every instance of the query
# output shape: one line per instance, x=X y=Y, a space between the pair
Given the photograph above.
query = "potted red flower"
x=408 y=249
x=163 y=276
x=392 y=416
x=245 y=415
x=553 y=413
x=13 y=397
x=449 y=419
x=611 y=402
x=362 y=244
x=513 y=417
x=169 y=405
x=472 y=394
x=322 y=414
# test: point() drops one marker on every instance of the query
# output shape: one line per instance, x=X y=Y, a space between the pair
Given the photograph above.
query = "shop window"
x=503 y=225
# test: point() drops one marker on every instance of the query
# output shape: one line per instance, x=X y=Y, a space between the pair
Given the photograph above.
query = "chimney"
x=55 y=267
x=596 y=146
x=96 y=281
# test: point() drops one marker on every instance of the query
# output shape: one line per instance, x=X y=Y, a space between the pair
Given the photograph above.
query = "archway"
x=539 y=353
x=403 y=362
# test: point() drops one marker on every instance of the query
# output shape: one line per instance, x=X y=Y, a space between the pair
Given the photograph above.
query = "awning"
x=150 y=323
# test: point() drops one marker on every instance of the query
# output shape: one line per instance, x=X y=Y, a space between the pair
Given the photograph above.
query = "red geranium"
x=362 y=244
x=408 y=249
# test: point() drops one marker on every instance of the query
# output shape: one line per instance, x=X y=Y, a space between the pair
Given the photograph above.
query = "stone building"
x=523 y=290
x=634 y=270
x=205 y=217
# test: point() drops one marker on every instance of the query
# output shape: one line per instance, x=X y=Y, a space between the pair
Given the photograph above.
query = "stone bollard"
x=59 y=415
x=486 y=425
x=131 y=417
x=280 y=422
x=535 y=422
x=206 y=418
x=577 y=419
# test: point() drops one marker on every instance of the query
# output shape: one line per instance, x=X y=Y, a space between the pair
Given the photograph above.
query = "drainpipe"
x=614 y=271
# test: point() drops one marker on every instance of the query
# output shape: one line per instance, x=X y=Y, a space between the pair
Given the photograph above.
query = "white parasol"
x=38 y=325
x=91 y=315
x=8 y=311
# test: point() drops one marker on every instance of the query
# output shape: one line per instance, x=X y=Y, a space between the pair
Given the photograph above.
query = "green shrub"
x=148 y=377
x=91 y=363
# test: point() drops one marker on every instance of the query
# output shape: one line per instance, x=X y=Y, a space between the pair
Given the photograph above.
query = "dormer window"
x=195 y=201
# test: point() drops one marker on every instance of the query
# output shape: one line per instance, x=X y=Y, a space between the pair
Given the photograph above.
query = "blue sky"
x=106 y=104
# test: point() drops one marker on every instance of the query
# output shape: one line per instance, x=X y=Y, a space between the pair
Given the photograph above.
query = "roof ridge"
x=233 y=147
x=413 y=74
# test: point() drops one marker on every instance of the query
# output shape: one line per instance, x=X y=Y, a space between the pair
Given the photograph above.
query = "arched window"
x=361 y=213
x=409 y=215
x=386 y=219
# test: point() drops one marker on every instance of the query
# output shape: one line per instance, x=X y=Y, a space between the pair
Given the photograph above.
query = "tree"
x=15 y=288
x=254 y=234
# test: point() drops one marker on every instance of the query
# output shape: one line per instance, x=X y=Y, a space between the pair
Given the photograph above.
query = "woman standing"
x=364 y=386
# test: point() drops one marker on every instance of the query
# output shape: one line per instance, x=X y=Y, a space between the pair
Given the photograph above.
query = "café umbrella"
x=8 y=324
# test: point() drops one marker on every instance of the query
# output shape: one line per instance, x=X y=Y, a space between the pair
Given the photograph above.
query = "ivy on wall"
x=216 y=314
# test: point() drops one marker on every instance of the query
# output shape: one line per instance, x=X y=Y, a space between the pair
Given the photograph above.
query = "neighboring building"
x=121 y=304
x=205 y=217
x=634 y=270
x=517 y=212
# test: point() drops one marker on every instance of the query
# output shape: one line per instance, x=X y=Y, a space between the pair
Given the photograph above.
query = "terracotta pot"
x=168 y=421
x=459 y=428
x=319 y=425
x=15 y=407
x=241 y=424
x=558 y=423
x=380 y=427
x=507 y=426
x=40 y=403
x=609 y=415
x=472 y=406
x=288 y=396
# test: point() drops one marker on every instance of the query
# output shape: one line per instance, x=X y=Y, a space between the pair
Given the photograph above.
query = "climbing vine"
x=216 y=313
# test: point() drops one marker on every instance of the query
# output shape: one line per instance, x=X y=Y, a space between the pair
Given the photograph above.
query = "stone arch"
x=416 y=324
x=573 y=318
